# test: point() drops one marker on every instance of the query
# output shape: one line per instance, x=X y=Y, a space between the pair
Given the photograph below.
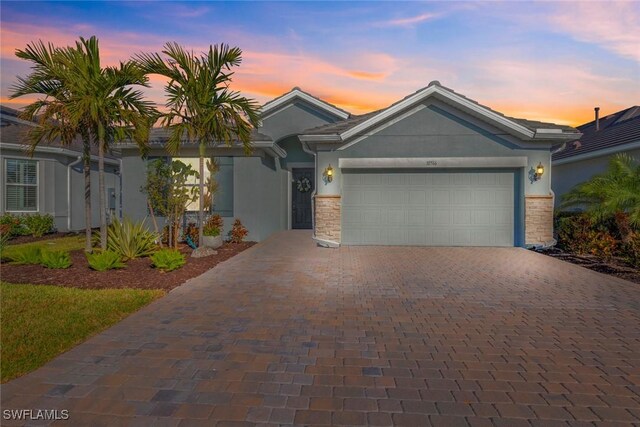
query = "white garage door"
x=428 y=209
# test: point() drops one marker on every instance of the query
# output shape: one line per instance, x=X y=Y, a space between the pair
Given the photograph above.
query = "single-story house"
x=576 y=162
x=435 y=168
x=52 y=180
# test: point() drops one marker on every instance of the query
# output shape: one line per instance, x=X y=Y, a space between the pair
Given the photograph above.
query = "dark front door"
x=301 y=188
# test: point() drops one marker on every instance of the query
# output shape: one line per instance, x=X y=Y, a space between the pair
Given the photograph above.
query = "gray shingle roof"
x=340 y=127
x=622 y=127
x=159 y=136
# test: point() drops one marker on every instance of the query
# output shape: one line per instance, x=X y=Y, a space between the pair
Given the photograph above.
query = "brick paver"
x=289 y=333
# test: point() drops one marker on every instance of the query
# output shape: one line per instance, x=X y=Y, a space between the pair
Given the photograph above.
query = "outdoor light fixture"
x=328 y=173
x=539 y=171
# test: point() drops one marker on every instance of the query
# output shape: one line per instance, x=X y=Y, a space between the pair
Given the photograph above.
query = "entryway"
x=302 y=187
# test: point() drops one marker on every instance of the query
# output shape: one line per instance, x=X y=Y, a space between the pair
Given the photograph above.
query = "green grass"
x=67 y=244
x=40 y=321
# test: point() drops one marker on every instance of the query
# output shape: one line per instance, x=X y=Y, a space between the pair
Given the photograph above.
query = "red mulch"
x=138 y=274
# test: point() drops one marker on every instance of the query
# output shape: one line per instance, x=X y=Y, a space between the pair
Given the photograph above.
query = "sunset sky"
x=550 y=61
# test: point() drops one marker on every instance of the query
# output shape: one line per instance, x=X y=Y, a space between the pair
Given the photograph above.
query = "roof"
x=297 y=93
x=616 y=130
x=13 y=130
x=435 y=86
x=161 y=135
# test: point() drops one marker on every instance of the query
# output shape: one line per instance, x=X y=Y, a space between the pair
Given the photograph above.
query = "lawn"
x=71 y=243
x=40 y=321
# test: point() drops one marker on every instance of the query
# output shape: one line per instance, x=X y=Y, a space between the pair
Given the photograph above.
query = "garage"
x=428 y=208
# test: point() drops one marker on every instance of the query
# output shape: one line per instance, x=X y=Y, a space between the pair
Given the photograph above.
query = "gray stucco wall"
x=431 y=133
x=293 y=119
x=52 y=187
x=568 y=175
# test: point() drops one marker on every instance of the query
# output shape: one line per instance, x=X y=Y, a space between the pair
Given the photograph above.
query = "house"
x=602 y=138
x=52 y=180
x=435 y=168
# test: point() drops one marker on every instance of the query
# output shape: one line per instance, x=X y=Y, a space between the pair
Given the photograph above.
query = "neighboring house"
x=602 y=138
x=52 y=180
x=435 y=168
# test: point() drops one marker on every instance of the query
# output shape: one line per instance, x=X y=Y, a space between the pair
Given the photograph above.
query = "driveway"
x=289 y=333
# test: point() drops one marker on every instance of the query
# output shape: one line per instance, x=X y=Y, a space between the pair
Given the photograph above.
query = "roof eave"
x=283 y=100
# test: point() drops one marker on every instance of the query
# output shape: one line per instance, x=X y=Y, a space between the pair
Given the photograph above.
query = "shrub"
x=238 y=232
x=38 y=225
x=168 y=259
x=5 y=236
x=213 y=225
x=13 y=225
x=103 y=261
x=631 y=250
x=27 y=255
x=130 y=240
x=602 y=244
x=56 y=259
x=192 y=231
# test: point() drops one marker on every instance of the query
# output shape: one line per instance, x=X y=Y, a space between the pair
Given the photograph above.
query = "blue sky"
x=550 y=61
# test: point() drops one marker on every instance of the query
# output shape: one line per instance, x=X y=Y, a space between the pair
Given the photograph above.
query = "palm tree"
x=49 y=80
x=613 y=193
x=104 y=100
x=201 y=107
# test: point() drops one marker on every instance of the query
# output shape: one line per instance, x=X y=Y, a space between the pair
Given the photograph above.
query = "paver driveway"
x=290 y=333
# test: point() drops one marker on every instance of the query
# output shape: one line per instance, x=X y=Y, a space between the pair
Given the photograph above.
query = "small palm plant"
x=614 y=193
x=201 y=108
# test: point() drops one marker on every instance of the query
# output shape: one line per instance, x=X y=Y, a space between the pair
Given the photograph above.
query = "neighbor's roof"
x=341 y=127
x=13 y=130
x=616 y=130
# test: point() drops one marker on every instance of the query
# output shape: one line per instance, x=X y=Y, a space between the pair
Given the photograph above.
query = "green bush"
x=168 y=259
x=56 y=259
x=38 y=225
x=12 y=225
x=27 y=255
x=631 y=250
x=103 y=261
x=130 y=239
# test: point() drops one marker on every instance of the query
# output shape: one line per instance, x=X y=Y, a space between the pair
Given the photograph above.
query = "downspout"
x=120 y=189
x=69 y=210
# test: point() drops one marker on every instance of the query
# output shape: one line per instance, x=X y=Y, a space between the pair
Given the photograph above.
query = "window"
x=223 y=199
x=21 y=185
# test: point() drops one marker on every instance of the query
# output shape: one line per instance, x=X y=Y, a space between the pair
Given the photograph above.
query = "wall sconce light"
x=539 y=171
x=328 y=173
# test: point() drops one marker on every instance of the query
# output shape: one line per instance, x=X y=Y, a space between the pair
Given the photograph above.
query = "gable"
x=433 y=130
x=293 y=118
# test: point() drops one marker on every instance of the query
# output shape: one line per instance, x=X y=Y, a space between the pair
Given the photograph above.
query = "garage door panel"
x=435 y=209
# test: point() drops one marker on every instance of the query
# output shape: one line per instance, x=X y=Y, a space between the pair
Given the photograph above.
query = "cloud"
x=409 y=22
x=613 y=25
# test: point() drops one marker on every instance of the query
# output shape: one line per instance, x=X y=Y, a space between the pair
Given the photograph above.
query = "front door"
x=301 y=189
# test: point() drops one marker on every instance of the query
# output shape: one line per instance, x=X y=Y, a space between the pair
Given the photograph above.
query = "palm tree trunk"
x=201 y=201
x=624 y=227
x=86 y=157
x=103 y=204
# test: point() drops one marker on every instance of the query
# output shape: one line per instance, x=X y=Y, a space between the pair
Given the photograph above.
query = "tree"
x=104 y=100
x=169 y=192
x=615 y=192
x=202 y=109
x=49 y=79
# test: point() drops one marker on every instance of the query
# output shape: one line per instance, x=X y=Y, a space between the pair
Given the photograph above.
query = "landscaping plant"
x=168 y=259
x=238 y=232
x=103 y=261
x=130 y=239
x=56 y=259
x=38 y=225
x=26 y=255
x=201 y=107
x=12 y=225
x=213 y=225
x=191 y=231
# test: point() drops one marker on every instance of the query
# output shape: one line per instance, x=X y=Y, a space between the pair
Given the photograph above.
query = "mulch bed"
x=138 y=274
x=612 y=267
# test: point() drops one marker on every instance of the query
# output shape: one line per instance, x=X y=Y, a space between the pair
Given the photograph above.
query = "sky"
x=549 y=61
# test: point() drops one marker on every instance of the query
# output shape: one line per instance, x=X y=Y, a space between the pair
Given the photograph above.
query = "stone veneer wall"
x=538 y=219
x=327 y=211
